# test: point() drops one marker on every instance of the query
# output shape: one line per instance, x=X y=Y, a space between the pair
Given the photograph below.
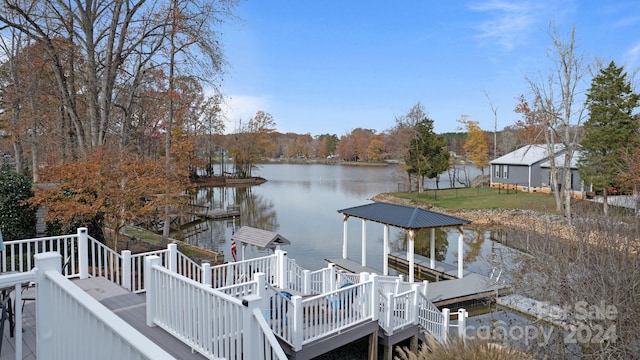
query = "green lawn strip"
x=482 y=198
x=188 y=250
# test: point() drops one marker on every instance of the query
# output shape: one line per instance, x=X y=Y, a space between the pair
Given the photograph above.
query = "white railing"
x=319 y=280
x=242 y=271
x=103 y=261
x=71 y=324
x=299 y=321
x=210 y=322
x=186 y=267
x=18 y=255
x=431 y=319
x=85 y=256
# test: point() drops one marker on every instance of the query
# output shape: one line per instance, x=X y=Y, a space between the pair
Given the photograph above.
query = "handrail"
x=269 y=343
x=431 y=318
x=69 y=320
x=191 y=325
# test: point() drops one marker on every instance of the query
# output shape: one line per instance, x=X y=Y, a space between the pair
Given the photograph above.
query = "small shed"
x=408 y=218
x=260 y=238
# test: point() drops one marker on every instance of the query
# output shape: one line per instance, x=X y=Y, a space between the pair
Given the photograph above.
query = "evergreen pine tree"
x=610 y=131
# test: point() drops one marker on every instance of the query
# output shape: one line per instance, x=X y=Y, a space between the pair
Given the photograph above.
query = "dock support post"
x=344 y=236
x=364 y=243
x=413 y=344
x=410 y=255
x=460 y=252
x=385 y=250
x=373 y=345
x=432 y=253
x=388 y=352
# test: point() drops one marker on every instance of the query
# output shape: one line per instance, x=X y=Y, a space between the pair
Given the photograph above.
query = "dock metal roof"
x=260 y=238
x=402 y=216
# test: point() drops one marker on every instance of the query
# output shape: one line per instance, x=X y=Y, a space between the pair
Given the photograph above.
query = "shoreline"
x=524 y=220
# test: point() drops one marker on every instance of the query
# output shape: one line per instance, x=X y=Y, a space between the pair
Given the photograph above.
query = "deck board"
x=131 y=308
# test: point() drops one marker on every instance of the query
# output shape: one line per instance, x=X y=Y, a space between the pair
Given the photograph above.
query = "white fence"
x=212 y=323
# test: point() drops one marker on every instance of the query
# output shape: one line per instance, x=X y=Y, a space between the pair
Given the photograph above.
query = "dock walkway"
x=448 y=289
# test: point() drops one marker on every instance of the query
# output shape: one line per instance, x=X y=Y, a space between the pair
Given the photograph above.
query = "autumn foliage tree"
x=250 y=142
x=475 y=145
x=110 y=182
x=530 y=128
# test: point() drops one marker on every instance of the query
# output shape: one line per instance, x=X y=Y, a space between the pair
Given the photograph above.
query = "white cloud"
x=631 y=57
x=507 y=21
x=242 y=107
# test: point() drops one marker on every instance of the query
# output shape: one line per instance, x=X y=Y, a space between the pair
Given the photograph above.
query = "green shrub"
x=17 y=217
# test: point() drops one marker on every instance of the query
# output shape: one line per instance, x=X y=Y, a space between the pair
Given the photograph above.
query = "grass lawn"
x=482 y=198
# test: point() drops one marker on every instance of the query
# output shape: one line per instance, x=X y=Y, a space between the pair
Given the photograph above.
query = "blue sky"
x=332 y=66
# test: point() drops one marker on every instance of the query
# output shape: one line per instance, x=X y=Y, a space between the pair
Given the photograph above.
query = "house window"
x=505 y=171
x=497 y=170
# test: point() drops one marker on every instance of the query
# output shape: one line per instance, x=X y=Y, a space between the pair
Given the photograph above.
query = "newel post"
x=375 y=297
x=150 y=286
x=45 y=309
x=297 y=322
x=446 y=315
x=250 y=329
x=126 y=269
x=414 y=303
x=306 y=282
x=281 y=261
x=462 y=323
x=206 y=274
x=173 y=257
x=83 y=252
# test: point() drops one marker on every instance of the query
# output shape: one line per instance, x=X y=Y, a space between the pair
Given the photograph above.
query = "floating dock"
x=449 y=289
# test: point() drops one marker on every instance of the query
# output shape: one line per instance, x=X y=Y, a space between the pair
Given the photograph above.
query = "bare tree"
x=560 y=97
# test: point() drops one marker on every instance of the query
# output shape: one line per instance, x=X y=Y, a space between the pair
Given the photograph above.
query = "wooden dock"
x=449 y=289
x=422 y=270
x=219 y=214
x=351 y=266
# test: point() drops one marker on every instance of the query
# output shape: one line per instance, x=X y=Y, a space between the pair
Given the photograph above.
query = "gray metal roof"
x=528 y=155
x=258 y=237
x=406 y=217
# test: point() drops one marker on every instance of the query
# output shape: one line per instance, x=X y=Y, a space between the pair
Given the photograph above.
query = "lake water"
x=301 y=203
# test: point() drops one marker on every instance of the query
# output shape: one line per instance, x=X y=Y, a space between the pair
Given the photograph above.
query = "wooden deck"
x=449 y=289
x=129 y=306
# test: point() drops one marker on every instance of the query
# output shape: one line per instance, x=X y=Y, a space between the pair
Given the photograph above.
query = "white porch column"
x=410 y=255
x=364 y=243
x=460 y=252
x=385 y=251
x=344 y=236
x=244 y=246
x=432 y=254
